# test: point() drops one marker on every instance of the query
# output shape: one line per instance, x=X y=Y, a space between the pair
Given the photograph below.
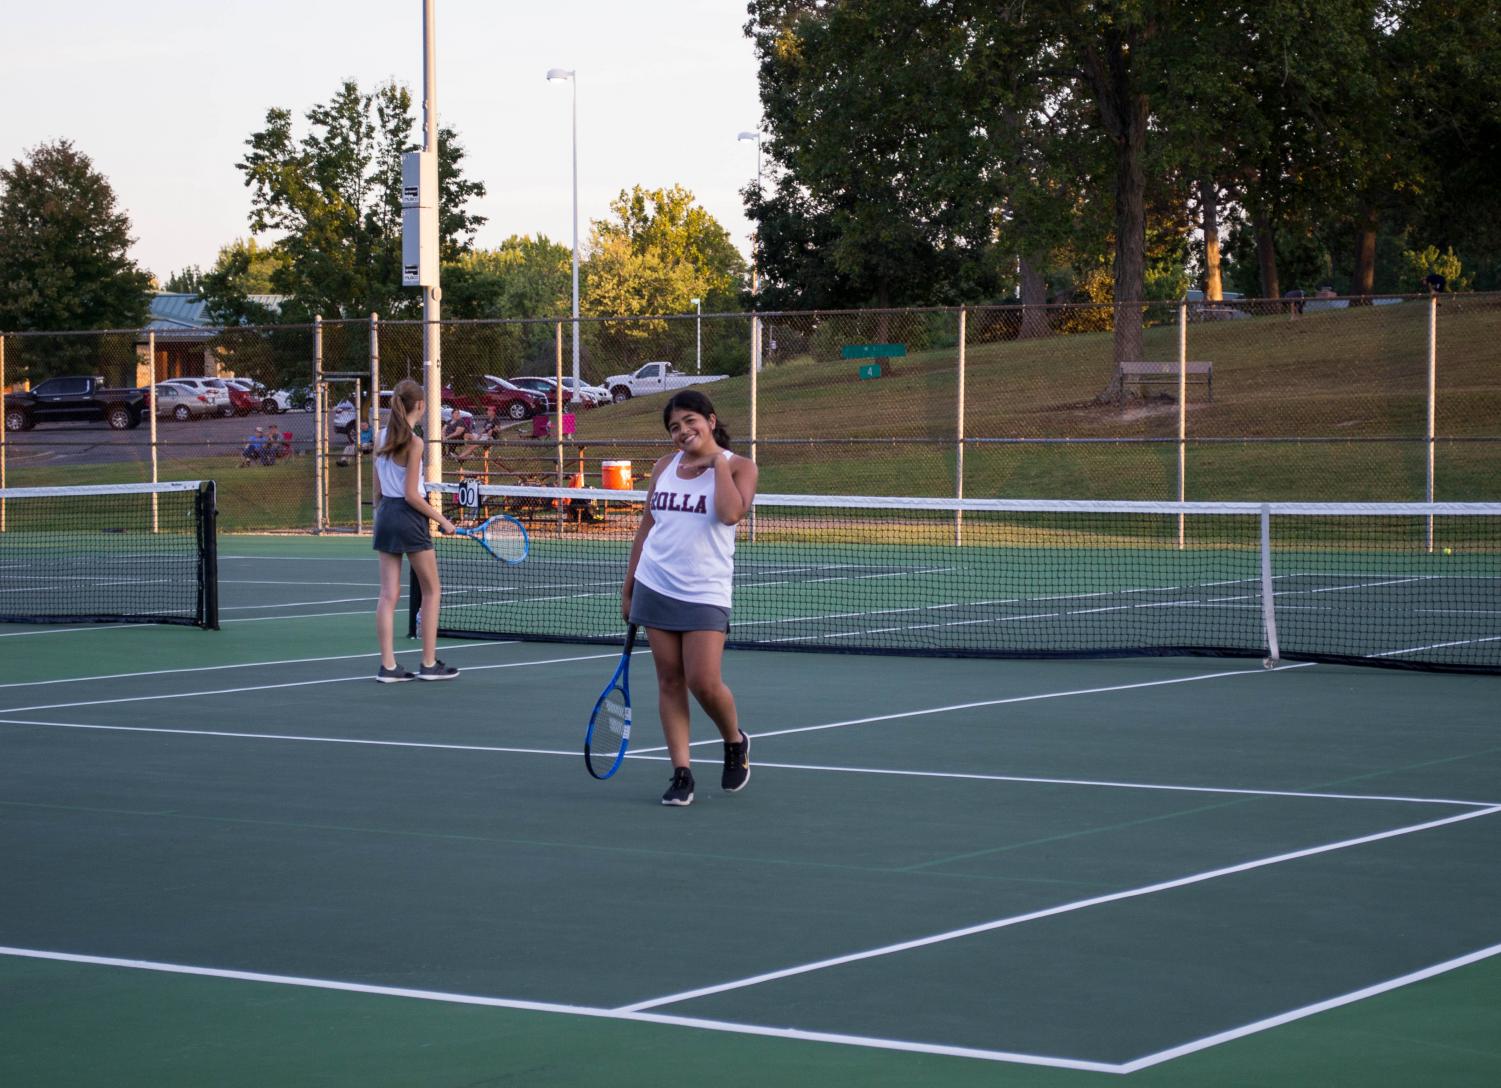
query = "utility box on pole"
x=419 y=219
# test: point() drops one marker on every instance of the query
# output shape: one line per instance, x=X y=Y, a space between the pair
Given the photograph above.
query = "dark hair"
x=691 y=400
x=406 y=396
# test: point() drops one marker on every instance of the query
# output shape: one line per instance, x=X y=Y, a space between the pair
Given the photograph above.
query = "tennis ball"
x=1448 y=551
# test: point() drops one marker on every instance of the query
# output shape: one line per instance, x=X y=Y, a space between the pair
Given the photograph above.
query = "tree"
x=186 y=282
x=244 y=268
x=64 y=247
x=524 y=277
x=335 y=197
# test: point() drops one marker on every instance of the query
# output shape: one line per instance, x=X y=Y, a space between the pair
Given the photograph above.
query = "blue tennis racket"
x=502 y=536
x=610 y=725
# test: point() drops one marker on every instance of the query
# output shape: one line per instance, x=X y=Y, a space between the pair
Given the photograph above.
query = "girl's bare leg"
x=425 y=566
x=385 y=608
x=672 y=692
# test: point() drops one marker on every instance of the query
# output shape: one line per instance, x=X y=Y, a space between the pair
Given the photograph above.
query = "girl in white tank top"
x=683 y=557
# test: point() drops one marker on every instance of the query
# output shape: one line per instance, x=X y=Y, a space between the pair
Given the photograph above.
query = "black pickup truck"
x=63 y=400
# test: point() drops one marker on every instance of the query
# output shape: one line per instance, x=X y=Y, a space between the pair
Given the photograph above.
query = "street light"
x=698 y=336
x=572 y=77
x=755 y=238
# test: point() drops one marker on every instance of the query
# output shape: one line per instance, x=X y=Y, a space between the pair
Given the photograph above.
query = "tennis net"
x=137 y=553
x=1401 y=584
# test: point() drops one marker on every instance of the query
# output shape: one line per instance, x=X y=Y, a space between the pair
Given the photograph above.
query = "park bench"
x=1198 y=373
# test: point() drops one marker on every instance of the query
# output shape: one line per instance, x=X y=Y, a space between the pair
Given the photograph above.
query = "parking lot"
x=95 y=443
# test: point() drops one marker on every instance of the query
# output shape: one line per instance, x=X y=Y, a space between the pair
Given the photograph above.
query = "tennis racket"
x=502 y=536
x=610 y=724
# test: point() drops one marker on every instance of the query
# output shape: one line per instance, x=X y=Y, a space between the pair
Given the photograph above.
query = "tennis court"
x=233 y=859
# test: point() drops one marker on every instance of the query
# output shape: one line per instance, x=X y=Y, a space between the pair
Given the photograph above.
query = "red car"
x=241 y=400
x=510 y=402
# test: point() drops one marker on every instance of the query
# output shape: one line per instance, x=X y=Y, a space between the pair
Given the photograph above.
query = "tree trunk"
x=1034 y=297
x=1266 y=253
x=1209 y=200
x=1365 y=253
x=1130 y=231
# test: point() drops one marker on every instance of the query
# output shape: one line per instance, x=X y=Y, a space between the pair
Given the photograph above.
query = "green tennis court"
x=231 y=858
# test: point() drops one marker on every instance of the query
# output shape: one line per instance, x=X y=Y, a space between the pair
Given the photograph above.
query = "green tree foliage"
x=334 y=199
x=64 y=247
x=243 y=269
x=526 y=276
x=186 y=282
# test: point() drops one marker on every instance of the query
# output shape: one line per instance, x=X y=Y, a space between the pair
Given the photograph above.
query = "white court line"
x=1002 y=702
x=245 y=665
x=1438 y=646
x=274 y=582
x=1049 y=912
x=566 y=1010
x=291 y=684
x=1309 y=1010
x=295 y=604
x=69 y=630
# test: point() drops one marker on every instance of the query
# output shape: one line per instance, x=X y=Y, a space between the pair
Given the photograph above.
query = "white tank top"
x=392 y=477
x=689 y=553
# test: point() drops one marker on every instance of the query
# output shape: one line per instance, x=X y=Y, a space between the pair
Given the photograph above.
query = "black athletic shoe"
x=437 y=671
x=397 y=675
x=736 y=764
x=680 y=791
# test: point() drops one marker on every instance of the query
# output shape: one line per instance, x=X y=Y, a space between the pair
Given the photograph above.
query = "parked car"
x=544 y=386
x=212 y=388
x=242 y=396
x=510 y=401
x=63 y=400
x=656 y=377
x=287 y=400
x=179 y=402
x=344 y=420
x=581 y=396
x=591 y=395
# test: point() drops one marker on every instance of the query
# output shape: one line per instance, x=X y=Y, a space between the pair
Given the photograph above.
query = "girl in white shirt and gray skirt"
x=402 y=514
x=678 y=584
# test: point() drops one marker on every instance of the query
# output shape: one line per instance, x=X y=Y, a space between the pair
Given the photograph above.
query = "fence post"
x=755 y=375
x=959 y=434
x=374 y=406
x=562 y=504
x=2 y=433
x=1428 y=488
x=151 y=363
x=1182 y=413
x=319 y=456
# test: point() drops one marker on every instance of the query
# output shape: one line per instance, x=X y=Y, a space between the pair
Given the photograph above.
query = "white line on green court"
x=1309 y=1010
x=1049 y=912
x=1001 y=702
x=69 y=630
x=245 y=665
x=290 y=684
x=567 y=1010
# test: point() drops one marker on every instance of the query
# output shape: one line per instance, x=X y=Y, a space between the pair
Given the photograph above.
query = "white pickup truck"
x=653 y=378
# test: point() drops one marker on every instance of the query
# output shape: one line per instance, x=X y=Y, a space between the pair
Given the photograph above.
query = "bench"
x=1166 y=374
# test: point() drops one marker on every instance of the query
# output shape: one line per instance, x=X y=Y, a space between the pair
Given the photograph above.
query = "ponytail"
x=691 y=400
x=398 y=438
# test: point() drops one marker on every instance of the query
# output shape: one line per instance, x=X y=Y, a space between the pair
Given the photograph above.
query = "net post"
x=374 y=404
x=558 y=426
x=1182 y=413
x=208 y=551
x=1428 y=488
x=959 y=434
x=151 y=400
x=414 y=604
x=319 y=456
x=1268 y=600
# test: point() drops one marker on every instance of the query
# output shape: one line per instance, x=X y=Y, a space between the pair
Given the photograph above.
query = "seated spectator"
x=1295 y=300
x=458 y=428
x=255 y=448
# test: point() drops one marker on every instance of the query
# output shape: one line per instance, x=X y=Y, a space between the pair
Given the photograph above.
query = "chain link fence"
x=1323 y=399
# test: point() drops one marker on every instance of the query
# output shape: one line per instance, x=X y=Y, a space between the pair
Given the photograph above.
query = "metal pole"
x=151 y=362
x=1182 y=412
x=755 y=369
x=558 y=426
x=359 y=466
x=959 y=434
x=318 y=424
x=698 y=336
x=374 y=403
x=2 y=431
x=1428 y=489
x=432 y=355
x=574 y=79
x=1268 y=595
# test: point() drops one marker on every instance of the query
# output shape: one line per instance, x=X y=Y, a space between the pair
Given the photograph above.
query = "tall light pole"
x=755 y=238
x=572 y=77
x=698 y=336
x=431 y=293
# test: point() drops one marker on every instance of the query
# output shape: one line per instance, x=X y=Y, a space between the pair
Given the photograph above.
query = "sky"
x=162 y=95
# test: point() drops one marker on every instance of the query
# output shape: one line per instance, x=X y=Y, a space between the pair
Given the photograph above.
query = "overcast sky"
x=162 y=94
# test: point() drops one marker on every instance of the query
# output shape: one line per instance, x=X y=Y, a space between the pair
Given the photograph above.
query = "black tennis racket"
x=610 y=725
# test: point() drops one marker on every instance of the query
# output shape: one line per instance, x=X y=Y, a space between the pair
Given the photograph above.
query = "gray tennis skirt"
x=399 y=528
x=652 y=609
